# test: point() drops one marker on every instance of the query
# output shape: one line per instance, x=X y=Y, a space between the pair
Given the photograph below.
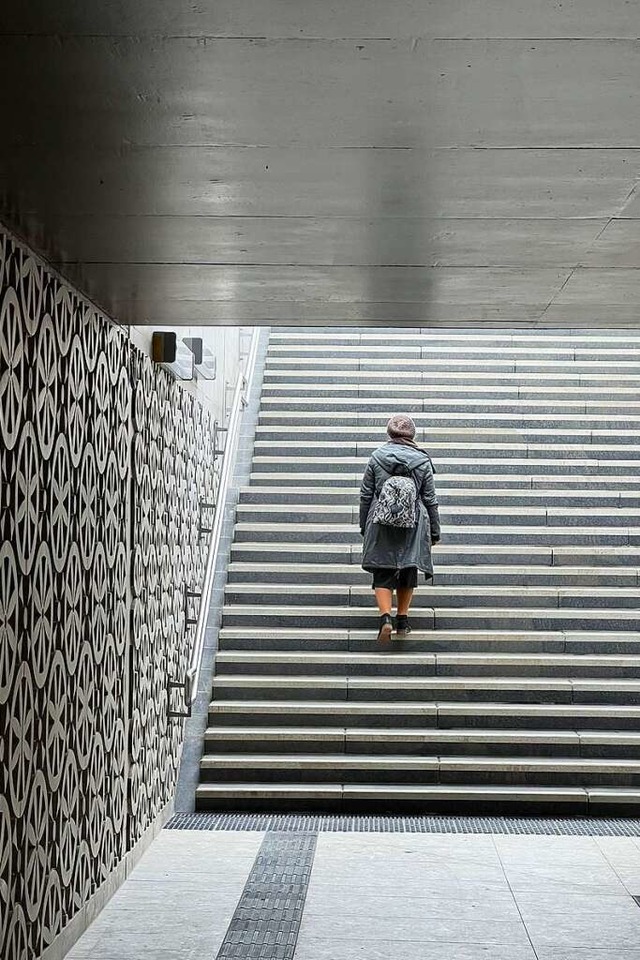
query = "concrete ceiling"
x=312 y=161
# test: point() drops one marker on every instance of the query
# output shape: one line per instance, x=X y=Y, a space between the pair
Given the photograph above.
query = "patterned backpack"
x=396 y=505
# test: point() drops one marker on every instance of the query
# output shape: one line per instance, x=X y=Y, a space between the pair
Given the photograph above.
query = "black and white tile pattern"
x=103 y=461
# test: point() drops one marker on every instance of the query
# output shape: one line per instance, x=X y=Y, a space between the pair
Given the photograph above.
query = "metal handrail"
x=239 y=402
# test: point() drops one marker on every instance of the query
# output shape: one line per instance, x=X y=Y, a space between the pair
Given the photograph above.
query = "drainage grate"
x=301 y=823
x=267 y=919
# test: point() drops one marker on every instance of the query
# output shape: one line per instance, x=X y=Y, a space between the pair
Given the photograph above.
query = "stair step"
x=449 y=398
x=424 y=741
x=422 y=664
x=477 y=714
x=451 y=515
x=487 y=417
x=433 y=434
x=268 y=496
x=469 y=384
x=457 y=596
x=591 y=466
x=492 y=336
x=430 y=339
x=472 y=554
x=465 y=372
x=440 y=451
x=539 y=535
x=439 y=618
x=435 y=798
x=307 y=397
x=533 y=383
x=384 y=361
x=368 y=349
x=490 y=575
x=400 y=768
x=453 y=481
x=431 y=688
x=283 y=638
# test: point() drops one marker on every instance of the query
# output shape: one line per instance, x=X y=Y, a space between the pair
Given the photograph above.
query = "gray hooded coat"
x=395 y=547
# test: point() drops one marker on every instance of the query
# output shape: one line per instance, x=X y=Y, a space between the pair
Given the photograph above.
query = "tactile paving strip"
x=299 y=823
x=267 y=919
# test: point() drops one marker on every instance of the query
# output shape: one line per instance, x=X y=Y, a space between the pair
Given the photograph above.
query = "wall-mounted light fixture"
x=206 y=366
x=173 y=354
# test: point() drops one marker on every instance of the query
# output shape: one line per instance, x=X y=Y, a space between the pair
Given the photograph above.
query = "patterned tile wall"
x=104 y=459
x=171 y=473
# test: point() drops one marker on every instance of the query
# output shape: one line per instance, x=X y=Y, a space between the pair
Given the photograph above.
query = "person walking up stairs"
x=399 y=521
x=518 y=687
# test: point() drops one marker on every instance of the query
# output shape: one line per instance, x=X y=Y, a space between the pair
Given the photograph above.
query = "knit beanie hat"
x=401 y=427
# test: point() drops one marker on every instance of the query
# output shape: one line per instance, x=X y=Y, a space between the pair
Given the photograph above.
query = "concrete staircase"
x=520 y=687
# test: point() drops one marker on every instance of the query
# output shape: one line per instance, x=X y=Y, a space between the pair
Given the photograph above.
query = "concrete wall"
x=104 y=460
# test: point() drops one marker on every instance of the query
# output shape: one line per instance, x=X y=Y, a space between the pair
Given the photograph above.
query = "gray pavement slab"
x=377 y=896
x=396 y=905
x=178 y=901
x=430 y=927
x=310 y=948
x=623 y=853
x=573 y=953
x=573 y=920
x=547 y=870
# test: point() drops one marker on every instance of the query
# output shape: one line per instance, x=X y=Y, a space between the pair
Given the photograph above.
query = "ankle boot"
x=386 y=626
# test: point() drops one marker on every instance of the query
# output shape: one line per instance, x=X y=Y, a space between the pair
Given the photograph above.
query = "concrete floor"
x=387 y=895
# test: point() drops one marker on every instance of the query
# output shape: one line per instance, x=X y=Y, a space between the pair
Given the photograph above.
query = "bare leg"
x=384 y=599
x=405 y=595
